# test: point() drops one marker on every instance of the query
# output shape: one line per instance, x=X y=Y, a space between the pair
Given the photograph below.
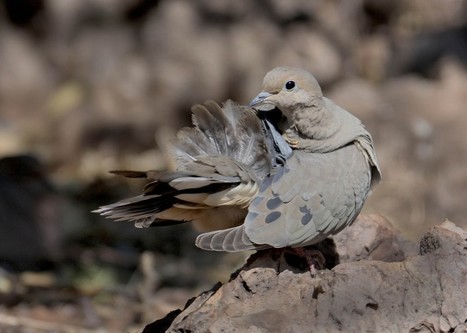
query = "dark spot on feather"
x=252 y=215
x=273 y=216
x=304 y=209
x=274 y=203
x=307 y=218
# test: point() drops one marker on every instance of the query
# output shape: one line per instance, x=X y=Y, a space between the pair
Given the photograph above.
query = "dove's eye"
x=290 y=85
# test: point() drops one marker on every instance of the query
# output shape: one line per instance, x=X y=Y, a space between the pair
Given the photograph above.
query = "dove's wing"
x=220 y=162
x=233 y=131
x=314 y=196
x=301 y=203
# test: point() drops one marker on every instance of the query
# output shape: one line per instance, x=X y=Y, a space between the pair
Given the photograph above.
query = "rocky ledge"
x=375 y=281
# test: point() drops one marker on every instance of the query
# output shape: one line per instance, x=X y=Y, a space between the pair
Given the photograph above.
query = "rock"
x=30 y=216
x=357 y=96
x=310 y=50
x=24 y=78
x=372 y=57
x=372 y=237
x=425 y=292
x=432 y=165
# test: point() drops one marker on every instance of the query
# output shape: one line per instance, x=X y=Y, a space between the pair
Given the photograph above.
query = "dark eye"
x=290 y=85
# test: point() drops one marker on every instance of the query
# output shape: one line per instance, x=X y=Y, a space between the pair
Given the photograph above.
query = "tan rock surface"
x=424 y=293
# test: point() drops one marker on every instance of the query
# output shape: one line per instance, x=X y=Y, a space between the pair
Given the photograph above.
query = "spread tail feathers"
x=229 y=240
x=169 y=199
x=219 y=161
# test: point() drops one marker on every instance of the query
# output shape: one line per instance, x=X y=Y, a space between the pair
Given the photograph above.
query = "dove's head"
x=286 y=89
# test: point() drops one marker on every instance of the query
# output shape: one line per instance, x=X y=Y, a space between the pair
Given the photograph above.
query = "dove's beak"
x=261 y=102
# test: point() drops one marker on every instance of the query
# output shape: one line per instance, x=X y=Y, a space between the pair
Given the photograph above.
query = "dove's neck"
x=324 y=127
x=314 y=121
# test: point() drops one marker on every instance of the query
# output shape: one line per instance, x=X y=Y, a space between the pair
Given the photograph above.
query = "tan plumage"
x=299 y=174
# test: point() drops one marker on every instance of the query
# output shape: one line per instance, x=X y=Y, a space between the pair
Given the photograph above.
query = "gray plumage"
x=298 y=172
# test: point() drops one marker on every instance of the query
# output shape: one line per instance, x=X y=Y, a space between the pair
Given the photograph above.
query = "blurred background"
x=88 y=86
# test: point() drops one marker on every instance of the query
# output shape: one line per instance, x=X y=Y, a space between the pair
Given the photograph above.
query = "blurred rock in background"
x=30 y=229
x=87 y=86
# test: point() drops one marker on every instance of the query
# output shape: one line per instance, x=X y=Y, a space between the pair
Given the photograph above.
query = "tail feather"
x=163 y=194
x=136 y=208
x=130 y=174
x=229 y=240
x=219 y=160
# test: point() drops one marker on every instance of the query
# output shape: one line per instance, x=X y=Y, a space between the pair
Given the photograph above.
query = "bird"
x=287 y=171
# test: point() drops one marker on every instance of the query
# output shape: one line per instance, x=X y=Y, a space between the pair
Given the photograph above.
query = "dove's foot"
x=314 y=258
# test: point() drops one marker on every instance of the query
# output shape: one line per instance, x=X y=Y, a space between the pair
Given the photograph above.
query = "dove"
x=288 y=171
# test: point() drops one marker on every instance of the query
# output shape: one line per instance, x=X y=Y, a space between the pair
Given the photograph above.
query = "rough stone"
x=426 y=293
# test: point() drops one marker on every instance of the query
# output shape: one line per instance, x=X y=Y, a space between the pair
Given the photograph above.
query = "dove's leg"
x=314 y=258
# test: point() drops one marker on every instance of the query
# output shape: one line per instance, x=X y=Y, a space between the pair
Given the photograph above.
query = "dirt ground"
x=92 y=86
